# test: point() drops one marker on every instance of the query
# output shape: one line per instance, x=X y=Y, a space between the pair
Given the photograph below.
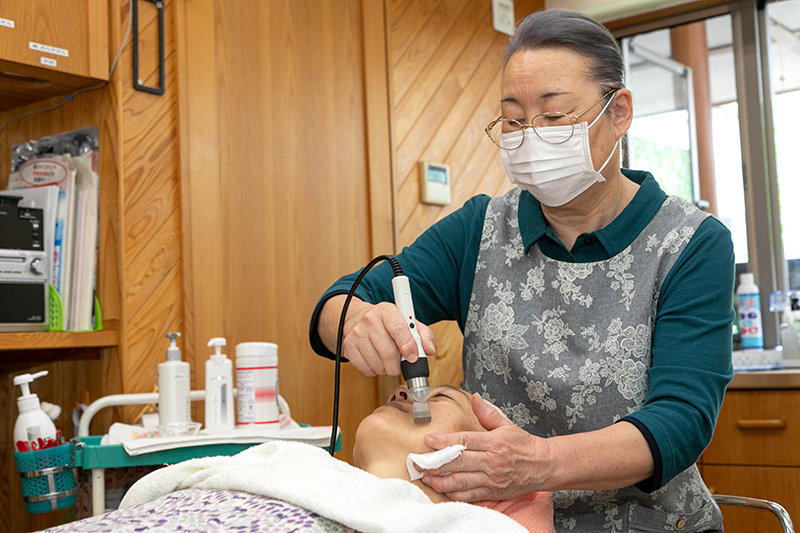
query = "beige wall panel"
x=447 y=61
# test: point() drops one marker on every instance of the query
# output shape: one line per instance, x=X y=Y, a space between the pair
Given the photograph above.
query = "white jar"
x=257 y=383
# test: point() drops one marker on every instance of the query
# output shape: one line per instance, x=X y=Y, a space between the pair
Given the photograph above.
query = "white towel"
x=308 y=477
x=432 y=460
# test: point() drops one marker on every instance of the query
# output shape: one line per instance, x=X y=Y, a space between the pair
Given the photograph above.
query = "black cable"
x=397 y=270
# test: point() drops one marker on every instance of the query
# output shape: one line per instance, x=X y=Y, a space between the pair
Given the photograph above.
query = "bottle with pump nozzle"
x=174 y=385
x=752 y=331
x=219 y=389
x=32 y=423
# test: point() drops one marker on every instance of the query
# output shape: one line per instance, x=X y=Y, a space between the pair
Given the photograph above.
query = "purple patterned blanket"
x=197 y=510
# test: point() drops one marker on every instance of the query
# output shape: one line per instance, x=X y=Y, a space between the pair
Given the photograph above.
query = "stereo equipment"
x=24 y=265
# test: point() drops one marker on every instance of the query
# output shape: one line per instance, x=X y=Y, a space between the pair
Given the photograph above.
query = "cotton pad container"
x=257 y=383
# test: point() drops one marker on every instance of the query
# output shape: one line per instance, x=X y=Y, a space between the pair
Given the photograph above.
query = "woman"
x=596 y=311
x=287 y=486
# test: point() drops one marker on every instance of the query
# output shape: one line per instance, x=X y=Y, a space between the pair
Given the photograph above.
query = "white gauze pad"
x=432 y=460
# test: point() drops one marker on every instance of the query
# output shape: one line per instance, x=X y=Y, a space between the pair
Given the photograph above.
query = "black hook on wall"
x=136 y=81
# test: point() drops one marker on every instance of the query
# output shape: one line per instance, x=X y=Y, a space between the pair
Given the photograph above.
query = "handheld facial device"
x=416 y=374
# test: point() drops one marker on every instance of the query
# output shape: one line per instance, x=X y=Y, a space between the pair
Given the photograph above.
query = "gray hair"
x=564 y=28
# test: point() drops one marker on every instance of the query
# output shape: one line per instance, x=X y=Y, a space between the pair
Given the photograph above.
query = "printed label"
x=43 y=172
x=750 y=327
x=48 y=49
x=47 y=61
x=258 y=395
x=7 y=23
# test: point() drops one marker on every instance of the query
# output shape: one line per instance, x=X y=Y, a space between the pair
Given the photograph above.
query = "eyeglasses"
x=565 y=124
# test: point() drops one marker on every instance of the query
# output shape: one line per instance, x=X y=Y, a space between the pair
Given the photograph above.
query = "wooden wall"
x=152 y=274
x=446 y=62
x=276 y=191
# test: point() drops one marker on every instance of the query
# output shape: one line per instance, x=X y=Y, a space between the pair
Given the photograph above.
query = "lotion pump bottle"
x=219 y=389
x=32 y=423
x=174 y=405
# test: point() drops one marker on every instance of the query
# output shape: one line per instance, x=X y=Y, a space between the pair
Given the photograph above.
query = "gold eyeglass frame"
x=522 y=127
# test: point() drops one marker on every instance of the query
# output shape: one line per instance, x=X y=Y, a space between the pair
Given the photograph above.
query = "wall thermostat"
x=434 y=183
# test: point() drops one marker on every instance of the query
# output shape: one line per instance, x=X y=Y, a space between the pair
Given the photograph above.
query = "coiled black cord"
x=397 y=270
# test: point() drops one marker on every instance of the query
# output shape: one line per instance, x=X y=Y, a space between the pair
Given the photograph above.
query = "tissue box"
x=757 y=357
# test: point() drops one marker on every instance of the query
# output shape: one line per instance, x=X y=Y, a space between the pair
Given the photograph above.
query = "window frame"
x=754 y=96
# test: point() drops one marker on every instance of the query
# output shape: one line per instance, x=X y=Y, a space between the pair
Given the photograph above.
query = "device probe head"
x=420 y=391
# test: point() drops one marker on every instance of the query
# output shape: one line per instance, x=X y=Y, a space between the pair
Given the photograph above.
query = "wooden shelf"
x=62 y=340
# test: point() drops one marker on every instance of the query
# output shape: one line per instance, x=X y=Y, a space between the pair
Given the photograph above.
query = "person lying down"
x=289 y=486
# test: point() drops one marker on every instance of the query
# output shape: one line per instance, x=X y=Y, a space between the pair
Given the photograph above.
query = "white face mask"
x=553 y=173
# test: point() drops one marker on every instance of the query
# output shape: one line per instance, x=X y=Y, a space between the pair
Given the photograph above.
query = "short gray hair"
x=564 y=28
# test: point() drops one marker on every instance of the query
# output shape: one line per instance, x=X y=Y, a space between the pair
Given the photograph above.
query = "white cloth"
x=432 y=460
x=307 y=476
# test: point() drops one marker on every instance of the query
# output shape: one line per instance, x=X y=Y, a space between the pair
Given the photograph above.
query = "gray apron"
x=564 y=348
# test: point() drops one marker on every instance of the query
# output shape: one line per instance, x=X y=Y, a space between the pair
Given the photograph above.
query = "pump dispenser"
x=219 y=389
x=174 y=385
x=32 y=423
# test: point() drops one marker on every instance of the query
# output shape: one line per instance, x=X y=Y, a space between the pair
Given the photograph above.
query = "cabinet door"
x=780 y=485
x=757 y=427
x=69 y=37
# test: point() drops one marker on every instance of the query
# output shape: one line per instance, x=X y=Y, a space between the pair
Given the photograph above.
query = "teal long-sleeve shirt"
x=691 y=344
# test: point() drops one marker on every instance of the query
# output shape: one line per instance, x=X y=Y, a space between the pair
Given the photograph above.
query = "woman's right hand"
x=375 y=336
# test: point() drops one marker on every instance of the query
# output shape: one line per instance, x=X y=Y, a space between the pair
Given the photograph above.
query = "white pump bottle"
x=219 y=389
x=174 y=385
x=32 y=422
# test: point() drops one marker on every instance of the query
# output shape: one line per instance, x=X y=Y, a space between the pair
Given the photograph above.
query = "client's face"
x=391 y=429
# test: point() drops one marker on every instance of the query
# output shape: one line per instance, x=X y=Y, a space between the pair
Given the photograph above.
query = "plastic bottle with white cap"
x=219 y=389
x=257 y=383
x=751 y=329
x=32 y=423
x=174 y=385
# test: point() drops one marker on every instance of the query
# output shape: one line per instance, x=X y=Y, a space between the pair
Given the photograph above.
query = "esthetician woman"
x=596 y=310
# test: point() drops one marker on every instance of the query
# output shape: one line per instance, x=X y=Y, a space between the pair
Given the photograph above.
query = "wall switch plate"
x=434 y=183
x=503 y=16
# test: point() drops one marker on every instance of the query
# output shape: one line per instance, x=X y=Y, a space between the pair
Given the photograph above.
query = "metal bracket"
x=136 y=81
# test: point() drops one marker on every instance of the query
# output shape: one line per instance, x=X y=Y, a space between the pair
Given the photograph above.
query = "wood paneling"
x=282 y=207
x=446 y=62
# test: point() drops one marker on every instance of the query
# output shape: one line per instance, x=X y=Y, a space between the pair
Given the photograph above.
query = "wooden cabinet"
x=755 y=453
x=777 y=484
x=50 y=48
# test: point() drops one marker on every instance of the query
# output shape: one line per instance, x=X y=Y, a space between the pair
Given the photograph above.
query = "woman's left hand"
x=503 y=463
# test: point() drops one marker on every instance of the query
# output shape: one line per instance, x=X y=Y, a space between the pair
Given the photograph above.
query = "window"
x=748 y=161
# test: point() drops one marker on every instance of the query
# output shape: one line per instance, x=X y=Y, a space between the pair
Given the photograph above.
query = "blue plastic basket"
x=48 y=479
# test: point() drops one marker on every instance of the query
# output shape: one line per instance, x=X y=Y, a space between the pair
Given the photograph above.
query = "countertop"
x=787 y=378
